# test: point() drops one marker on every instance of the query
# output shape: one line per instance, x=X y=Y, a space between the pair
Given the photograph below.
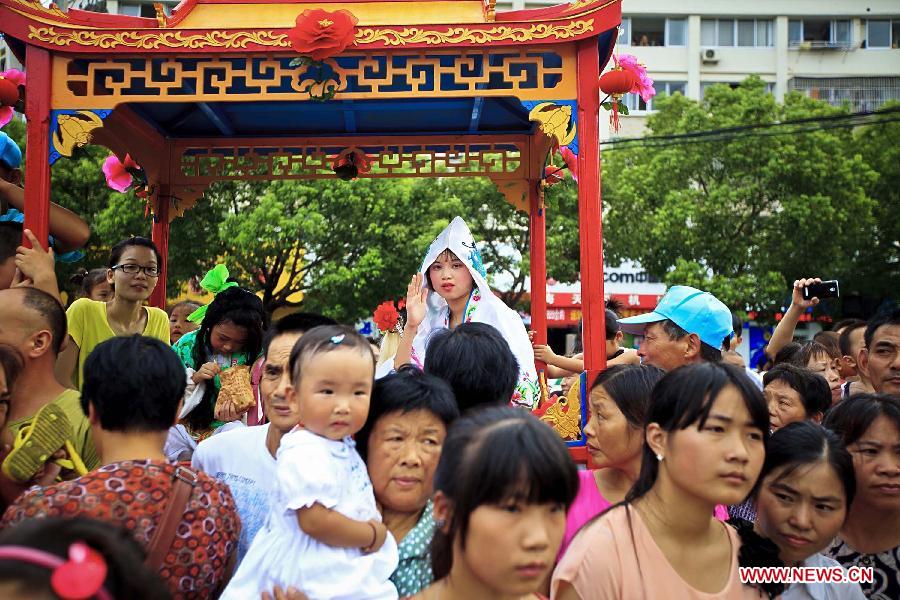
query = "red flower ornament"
x=553 y=175
x=628 y=75
x=571 y=160
x=386 y=316
x=322 y=34
x=10 y=81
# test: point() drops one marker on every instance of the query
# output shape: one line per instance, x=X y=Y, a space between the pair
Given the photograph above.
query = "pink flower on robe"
x=9 y=93
x=644 y=85
x=118 y=176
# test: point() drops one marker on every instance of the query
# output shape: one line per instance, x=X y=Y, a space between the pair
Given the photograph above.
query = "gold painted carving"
x=579 y=4
x=75 y=131
x=564 y=415
x=459 y=35
x=47 y=10
x=153 y=40
x=555 y=121
x=199 y=165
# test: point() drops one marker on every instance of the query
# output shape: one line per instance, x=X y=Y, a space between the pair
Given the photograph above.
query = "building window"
x=625 y=32
x=861 y=93
x=653 y=31
x=819 y=33
x=636 y=104
x=882 y=33
x=748 y=33
x=138 y=10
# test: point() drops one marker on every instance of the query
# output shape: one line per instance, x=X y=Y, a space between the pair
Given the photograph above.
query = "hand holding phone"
x=820 y=290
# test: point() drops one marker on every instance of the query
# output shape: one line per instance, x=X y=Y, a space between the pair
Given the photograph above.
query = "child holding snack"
x=217 y=357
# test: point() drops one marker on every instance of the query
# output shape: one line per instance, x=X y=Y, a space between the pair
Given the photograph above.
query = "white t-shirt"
x=313 y=469
x=821 y=590
x=240 y=459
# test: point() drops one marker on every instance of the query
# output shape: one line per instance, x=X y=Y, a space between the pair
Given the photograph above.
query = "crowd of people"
x=209 y=453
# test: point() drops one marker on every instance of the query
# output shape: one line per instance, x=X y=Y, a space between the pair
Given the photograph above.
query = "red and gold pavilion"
x=429 y=88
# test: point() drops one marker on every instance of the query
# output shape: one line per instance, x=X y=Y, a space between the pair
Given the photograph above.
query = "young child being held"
x=324 y=535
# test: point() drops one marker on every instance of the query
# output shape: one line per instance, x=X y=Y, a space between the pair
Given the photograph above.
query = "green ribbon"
x=213 y=282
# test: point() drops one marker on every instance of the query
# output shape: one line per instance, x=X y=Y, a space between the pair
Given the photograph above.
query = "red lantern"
x=9 y=92
x=617 y=82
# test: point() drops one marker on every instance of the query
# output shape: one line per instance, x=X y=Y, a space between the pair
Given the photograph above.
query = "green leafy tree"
x=877 y=263
x=346 y=245
x=740 y=215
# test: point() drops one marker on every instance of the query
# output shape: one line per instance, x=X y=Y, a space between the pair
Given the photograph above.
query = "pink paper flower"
x=9 y=93
x=644 y=85
x=118 y=173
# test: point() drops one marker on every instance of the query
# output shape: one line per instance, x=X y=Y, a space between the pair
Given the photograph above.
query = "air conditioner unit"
x=709 y=55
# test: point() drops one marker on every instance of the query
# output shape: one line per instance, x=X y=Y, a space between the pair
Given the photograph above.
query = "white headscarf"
x=483 y=307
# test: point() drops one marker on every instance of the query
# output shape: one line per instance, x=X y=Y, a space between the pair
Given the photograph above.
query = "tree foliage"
x=741 y=215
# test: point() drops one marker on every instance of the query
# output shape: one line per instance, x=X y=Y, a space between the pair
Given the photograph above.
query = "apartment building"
x=835 y=50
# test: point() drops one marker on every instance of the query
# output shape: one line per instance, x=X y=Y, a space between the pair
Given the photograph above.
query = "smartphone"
x=826 y=289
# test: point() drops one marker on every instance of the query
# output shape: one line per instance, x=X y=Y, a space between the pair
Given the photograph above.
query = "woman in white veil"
x=451 y=288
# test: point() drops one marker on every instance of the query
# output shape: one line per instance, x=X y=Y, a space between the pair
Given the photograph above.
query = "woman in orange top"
x=704 y=445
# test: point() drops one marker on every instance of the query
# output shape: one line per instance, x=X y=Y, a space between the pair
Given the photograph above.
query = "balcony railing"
x=820 y=45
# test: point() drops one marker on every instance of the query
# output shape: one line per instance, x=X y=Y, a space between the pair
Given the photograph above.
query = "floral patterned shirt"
x=132 y=494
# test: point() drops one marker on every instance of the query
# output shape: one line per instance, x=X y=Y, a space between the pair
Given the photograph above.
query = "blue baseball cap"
x=693 y=310
x=10 y=153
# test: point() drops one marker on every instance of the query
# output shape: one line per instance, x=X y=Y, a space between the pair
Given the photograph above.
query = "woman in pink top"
x=614 y=433
x=704 y=445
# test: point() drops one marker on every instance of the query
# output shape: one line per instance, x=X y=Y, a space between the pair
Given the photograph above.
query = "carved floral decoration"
x=350 y=163
x=318 y=35
x=554 y=174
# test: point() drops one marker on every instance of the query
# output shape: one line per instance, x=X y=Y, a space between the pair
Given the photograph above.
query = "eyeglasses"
x=132 y=269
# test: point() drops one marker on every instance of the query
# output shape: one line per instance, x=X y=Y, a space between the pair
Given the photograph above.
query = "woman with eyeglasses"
x=133 y=273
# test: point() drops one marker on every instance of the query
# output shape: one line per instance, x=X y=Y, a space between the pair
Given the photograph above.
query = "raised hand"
x=35 y=267
x=797 y=294
x=416 y=301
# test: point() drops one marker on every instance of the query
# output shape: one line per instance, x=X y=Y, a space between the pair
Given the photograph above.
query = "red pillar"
x=538 y=227
x=589 y=207
x=37 y=151
x=160 y=235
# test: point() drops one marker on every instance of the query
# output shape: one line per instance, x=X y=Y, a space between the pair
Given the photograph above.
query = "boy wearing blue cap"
x=68 y=229
x=687 y=326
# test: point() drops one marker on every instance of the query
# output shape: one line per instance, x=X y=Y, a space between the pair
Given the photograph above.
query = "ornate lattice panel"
x=526 y=73
x=203 y=165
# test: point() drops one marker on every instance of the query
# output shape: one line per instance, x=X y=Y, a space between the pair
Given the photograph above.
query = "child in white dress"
x=324 y=535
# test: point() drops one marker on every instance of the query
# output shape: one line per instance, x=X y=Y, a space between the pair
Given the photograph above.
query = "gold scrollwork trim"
x=47 y=10
x=157 y=39
x=579 y=4
x=456 y=35
x=152 y=40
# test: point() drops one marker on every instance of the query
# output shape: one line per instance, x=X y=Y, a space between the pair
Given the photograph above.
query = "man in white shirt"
x=244 y=458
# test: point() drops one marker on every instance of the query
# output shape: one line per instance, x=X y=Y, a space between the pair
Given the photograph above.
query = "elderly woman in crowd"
x=401 y=444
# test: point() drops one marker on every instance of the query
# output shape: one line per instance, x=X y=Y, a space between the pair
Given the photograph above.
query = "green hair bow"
x=213 y=282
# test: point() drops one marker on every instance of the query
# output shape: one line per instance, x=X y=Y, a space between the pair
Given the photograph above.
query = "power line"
x=728 y=137
x=752 y=130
